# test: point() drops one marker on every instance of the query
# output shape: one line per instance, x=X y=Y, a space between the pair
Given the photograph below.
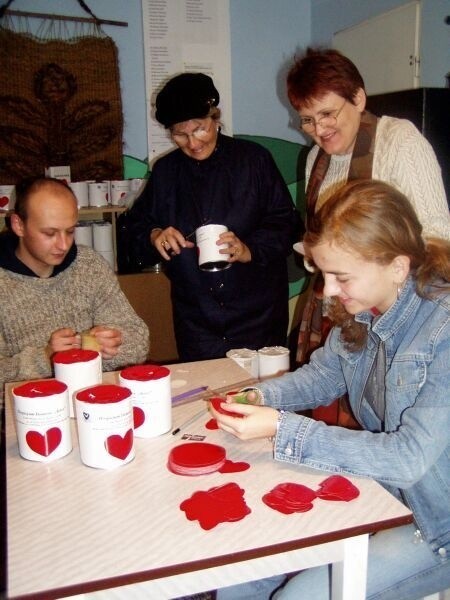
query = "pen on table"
x=190 y=421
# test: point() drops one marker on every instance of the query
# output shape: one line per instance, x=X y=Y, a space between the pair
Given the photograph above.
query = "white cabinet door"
x=385 y=49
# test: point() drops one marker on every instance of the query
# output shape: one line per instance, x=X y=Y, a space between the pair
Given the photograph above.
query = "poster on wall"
x=185 y=36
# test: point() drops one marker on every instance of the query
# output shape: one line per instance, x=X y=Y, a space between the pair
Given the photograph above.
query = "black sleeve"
x=134 y=251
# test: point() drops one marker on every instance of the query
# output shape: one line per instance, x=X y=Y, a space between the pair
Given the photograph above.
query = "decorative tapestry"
x=60 y=104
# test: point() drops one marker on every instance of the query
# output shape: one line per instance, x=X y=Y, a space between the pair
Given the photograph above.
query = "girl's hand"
x=256 y=422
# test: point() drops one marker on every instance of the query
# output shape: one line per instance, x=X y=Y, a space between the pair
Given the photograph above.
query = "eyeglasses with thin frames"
x=201 y=133
x=328 y=119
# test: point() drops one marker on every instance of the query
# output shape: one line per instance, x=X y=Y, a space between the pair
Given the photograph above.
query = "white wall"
x=265 y=35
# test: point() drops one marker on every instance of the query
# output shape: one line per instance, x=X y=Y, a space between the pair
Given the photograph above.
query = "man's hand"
x=63 y=339
x=109 y=340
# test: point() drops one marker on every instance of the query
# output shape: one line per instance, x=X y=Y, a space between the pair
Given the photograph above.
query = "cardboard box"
x=62 y=172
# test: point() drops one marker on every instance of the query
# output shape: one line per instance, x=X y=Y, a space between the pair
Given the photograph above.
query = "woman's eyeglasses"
x=201 y=133
x=328 y=119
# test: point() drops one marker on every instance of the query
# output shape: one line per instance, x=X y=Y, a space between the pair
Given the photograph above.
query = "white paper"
x=185 y=36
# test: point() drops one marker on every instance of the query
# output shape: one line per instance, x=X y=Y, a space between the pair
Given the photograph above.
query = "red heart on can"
x=44 y=444
x=118 y=446
x=138 y=416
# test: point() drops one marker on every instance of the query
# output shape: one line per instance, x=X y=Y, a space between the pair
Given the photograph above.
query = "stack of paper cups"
x=105 y=426
x=103 y=240
x=83 y=234
x=247 y=359
x=151 y=398
x=42 y=420
x=119 y=190
x=136 y=184
x=98 y=193
x=273 y=360
x=77 y=369
x=81 y=191
x=7 y=197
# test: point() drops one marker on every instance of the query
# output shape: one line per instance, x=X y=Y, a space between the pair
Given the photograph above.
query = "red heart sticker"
x=44 y=444
x=118 y=446
x=4 y=201
x=138 y=416
x=212 y=424
x=337 y=487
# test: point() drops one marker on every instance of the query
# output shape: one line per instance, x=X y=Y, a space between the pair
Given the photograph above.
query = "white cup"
x=102 y=236
x=105 y=426
x=209 y=257
x=273 y=360
x=151 y=398
x=78 y=369
x=81 y=191
x=136 y=184
x=7 y=197
x=98 y=193
x=247 y=359
x=119 y=190
x=42 y=420
x=83 y=234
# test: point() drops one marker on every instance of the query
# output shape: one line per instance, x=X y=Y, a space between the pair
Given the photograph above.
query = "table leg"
x=349 y=576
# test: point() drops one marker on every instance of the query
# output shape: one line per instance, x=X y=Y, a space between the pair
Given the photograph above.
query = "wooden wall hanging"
x=60 y=102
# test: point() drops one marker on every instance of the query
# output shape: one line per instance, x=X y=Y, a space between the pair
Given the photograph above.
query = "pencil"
x=190 y=421
x=189 y=393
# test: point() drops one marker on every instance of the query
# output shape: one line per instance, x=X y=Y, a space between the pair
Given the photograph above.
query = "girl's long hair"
x=377 y=222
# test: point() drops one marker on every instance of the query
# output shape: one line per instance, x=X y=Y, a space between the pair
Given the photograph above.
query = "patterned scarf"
x=360 y=165
x=314 y=327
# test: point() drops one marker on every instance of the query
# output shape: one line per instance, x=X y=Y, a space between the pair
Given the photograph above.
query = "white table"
x=120 y=534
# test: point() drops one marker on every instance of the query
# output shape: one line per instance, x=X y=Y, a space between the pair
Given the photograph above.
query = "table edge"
x=217 y=561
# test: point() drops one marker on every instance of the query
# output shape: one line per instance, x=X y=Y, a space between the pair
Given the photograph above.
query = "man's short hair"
x=27 y=187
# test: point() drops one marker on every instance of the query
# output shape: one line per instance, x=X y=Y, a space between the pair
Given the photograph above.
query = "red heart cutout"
x=337 y=487
x=233 y=467
x=44 y=444
x=118 y=446
x=4 y=201
x=212 y=424
x=217 y=505
x=216 y=402
x=138 y=416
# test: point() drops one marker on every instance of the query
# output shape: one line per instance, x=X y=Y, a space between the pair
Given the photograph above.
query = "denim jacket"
x=410 y=453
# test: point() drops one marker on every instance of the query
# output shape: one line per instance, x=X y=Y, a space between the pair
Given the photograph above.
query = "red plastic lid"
x=103 y=394
x=37 y=389
x=145 y=372
x=67 y=357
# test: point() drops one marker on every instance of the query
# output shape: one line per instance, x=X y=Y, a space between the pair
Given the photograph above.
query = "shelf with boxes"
x=99 y=204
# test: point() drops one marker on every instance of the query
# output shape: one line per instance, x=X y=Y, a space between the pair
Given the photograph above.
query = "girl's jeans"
x=401 y=567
